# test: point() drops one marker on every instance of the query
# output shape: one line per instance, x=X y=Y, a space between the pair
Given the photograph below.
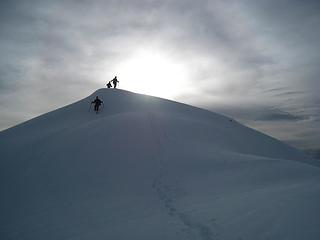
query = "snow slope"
x=148 y=168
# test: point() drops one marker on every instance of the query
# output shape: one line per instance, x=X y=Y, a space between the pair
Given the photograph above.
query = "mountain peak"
x=150 y=168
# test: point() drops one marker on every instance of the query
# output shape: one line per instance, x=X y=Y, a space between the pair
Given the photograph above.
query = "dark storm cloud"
x=259 y=113
x=259 y=54
x=278 y=115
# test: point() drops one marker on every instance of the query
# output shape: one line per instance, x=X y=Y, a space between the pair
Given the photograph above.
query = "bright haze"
x=256 y=61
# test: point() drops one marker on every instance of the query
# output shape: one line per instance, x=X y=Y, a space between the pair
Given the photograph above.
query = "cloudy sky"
x=254 y=60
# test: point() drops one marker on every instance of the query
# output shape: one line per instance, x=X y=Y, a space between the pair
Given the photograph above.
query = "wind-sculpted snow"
x=149 y=168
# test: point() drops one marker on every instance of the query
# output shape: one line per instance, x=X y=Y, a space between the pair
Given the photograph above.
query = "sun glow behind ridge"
x=154 y=73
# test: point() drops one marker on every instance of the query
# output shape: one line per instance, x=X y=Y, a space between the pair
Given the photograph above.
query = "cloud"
x=258 y=113
x=277 y=115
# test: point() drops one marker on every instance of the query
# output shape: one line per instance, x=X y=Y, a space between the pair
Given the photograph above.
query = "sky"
x=256 y=61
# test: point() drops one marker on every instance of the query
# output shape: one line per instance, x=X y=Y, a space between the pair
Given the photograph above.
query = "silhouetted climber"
x=109 y=84
x=114 y=81
x=97 y=102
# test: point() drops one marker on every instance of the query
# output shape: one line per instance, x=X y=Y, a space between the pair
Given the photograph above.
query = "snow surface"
x=147 y=168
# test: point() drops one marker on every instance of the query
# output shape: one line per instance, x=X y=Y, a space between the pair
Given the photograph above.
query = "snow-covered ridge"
x=149 y=168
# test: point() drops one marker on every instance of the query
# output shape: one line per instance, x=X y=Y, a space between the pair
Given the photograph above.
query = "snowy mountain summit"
x=146 y=168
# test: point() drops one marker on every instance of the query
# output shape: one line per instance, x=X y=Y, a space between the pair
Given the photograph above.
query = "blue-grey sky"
x=257 y=61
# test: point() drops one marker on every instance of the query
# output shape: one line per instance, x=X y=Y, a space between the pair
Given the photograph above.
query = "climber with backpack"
x=97 y=102
x=114 y=81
